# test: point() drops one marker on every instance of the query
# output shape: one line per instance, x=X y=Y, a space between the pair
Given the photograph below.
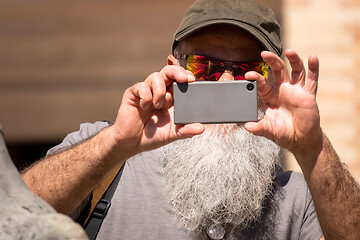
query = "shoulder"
x=294 y=206
x=290 y=180
x=86 y=131
x=291 y=191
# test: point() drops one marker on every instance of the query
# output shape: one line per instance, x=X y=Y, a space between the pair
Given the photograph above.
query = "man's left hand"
x=291 y=113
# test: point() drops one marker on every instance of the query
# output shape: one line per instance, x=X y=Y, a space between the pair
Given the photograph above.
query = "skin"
x=145 y=121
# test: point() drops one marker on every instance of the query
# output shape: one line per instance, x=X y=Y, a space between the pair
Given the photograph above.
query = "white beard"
x=221 y=176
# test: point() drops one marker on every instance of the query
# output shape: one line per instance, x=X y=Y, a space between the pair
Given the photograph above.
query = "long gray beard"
x=221 y=176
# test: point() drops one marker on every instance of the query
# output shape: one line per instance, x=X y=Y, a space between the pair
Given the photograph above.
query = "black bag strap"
x=101 y=209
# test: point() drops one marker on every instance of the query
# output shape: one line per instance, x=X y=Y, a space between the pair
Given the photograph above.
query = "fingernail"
x=191 y=76
x=159 y=104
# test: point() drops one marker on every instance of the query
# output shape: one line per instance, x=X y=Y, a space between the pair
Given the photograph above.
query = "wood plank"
x=67 y=62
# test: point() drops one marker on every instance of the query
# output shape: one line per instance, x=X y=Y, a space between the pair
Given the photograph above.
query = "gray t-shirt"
x=140 y=210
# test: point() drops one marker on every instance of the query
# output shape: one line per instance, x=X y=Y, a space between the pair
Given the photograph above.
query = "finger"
x=172 y=73
x=257 y=128
x=158 y=88
x=264 y=127
x=297 y=67
x=277 y=66
x=168 y=100
x=143 y=94
x=264 y=86
x=185 y=130
x=159 y=81
x=188 y=130
x=311 y=83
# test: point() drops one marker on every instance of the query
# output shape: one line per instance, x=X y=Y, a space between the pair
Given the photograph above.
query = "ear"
x=171 y=60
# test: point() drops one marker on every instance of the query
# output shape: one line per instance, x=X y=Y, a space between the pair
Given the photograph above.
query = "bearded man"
x=222 y=181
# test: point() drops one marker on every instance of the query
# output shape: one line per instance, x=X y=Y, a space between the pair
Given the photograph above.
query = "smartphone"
x=215 y=102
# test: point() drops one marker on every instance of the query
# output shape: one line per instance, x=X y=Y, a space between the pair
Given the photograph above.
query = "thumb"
x=258 y=128
x=188 y=130
x=252 y=127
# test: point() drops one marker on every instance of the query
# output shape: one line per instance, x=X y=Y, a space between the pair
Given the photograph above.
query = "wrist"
x=116 y=146
x=308 y=155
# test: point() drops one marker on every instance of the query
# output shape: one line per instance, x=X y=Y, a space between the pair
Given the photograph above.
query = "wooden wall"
x=331 y=30
x=67 y=62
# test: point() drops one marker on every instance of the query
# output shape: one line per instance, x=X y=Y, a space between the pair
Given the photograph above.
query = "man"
x=199 y=181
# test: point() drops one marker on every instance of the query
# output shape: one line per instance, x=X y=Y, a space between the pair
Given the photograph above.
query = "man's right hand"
x=144 y=122
x=145 y=117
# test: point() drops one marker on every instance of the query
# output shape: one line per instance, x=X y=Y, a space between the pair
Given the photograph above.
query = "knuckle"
x=140 y=85
x=141 y=88
x=152 y=77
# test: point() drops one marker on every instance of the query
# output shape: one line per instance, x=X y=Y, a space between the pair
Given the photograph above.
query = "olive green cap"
x=257 y=19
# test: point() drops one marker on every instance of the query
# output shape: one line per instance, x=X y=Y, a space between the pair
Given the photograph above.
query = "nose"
x=226 y=76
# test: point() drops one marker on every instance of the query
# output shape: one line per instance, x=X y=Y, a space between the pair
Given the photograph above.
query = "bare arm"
x=65 y=179
x=292 y=121
x=144 y=121
x=335 y=193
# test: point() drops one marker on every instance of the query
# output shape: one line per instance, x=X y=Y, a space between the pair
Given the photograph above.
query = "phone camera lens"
x=250 y=86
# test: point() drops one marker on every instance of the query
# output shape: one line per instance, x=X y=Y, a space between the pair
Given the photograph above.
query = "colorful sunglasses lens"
x=239 y=69
x=205 y=68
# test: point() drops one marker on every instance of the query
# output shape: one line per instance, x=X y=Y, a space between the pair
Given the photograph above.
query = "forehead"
x=225 y=42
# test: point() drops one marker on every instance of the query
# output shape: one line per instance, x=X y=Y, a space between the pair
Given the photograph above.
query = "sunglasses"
x=210 y=69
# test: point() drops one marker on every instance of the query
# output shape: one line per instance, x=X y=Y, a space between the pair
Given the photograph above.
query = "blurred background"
x=64 y=62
